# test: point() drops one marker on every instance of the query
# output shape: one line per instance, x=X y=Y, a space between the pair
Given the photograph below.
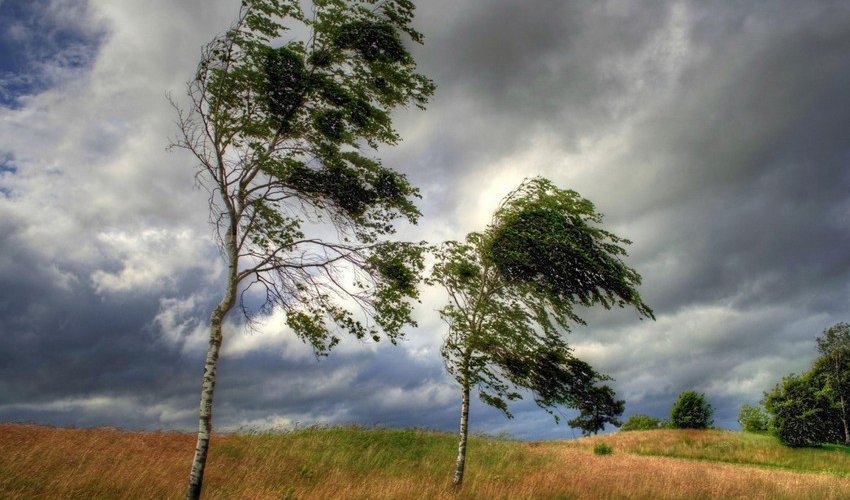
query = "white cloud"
x=150 y=260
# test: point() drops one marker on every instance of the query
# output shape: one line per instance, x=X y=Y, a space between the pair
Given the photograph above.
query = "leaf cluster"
x=691 y=411
x=803 y=411
x=282 y=125
x=597 y=406
x=507 y=316
x=807 y=409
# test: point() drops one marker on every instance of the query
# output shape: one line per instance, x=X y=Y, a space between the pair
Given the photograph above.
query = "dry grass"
x=44 y=462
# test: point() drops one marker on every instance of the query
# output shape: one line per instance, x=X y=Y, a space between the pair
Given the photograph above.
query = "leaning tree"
x=283 y=111
x=513 y=291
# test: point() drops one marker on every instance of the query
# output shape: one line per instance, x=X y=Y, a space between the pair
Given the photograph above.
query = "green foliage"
x=597 y=406
x=834 y=367
x=691 y=411
x=547 y=239
x=506 y=327
x=602 y=449
x=641 y=423
x=753 y=419
x=803 y=411
x=283 y=128
x=811 y=409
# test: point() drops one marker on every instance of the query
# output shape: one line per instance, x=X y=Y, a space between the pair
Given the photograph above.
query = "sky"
x=714 y=135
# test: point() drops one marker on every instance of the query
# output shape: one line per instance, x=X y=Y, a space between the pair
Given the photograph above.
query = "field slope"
x=347 y=462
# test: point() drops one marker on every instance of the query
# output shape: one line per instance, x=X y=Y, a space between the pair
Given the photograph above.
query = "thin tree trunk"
x=844 y=421
x=196 y=476
x=461 y=448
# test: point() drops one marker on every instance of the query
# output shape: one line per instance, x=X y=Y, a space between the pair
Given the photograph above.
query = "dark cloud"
x=714 y=135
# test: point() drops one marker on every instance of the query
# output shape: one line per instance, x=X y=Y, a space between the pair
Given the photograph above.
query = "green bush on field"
x=641 y=423
x=602 y=449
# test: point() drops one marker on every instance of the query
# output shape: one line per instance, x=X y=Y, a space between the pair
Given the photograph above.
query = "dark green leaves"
x=546 y=238
x=286 y=110
x=286 y=84
x=373 y=41
x=512 y=290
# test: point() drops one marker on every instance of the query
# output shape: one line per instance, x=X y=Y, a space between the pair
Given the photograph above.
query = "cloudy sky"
x=715 y=135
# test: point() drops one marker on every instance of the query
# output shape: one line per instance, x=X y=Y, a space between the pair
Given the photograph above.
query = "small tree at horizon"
x=597 y=406
x=691 y=411
x=280 y=127
x=753 y=419
x=512 y=291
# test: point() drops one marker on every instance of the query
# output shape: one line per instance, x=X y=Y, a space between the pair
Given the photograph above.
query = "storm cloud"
x=713 y=135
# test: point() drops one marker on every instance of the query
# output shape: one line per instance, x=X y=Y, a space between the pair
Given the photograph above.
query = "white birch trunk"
x=461 y=448
x=196 y=476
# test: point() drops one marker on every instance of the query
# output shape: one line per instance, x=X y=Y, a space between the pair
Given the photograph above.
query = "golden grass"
x=44 y=462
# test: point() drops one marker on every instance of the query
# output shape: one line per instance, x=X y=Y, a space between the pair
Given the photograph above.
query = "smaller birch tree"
x=512 y=292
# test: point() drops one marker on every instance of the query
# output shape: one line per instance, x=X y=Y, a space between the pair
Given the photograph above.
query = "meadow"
x=353 y=462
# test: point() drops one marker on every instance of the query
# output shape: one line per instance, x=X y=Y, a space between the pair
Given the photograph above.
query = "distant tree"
x=753 y=419
x=834 y=364
x=280 y=127
x=597 y=406
x=641 y=423
x=691 y=411
x=803 y=411
x=512 y=291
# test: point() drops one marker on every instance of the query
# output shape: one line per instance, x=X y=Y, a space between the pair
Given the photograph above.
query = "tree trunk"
x=844 y=421
x=196 y=476
x=461 y=448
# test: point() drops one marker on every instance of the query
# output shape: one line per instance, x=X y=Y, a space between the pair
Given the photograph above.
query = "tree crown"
x=280 y=126
x=507 y=319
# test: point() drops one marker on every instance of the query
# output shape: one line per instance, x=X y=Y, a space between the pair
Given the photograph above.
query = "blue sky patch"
x=38 y=46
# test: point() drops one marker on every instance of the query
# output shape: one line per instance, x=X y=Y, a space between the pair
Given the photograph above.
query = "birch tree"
x=512 y=292
x=283 y=111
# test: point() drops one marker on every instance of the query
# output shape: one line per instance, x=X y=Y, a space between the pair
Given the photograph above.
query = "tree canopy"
x=513 y=290
x=597 y=407
x=834 y=365
x=691 y=411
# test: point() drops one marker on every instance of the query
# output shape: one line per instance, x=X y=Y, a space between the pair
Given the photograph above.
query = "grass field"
x=347 y=462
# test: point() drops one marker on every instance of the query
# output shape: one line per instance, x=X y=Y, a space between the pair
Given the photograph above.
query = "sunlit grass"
x=351 y=462
x=731 y=447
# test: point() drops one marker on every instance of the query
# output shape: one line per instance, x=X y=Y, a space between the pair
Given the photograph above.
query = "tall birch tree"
x=283 y=111
x=513 y=290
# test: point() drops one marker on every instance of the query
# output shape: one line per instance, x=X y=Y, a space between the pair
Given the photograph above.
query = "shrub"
x=602 y=449
x=641 y=423
x=803 y=414
x=753 y=419
x=691 y=411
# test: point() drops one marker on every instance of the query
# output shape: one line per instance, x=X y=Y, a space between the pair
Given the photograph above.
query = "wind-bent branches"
x=279 y=133
x=512 y=290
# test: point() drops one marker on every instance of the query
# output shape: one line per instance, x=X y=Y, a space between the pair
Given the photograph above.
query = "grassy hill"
x=349 y=462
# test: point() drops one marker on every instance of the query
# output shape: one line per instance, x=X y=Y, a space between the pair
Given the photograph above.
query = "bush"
x=641 y=423
x=753 y=419
x=602 y=449
x=803 y=413
x=691 y=411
